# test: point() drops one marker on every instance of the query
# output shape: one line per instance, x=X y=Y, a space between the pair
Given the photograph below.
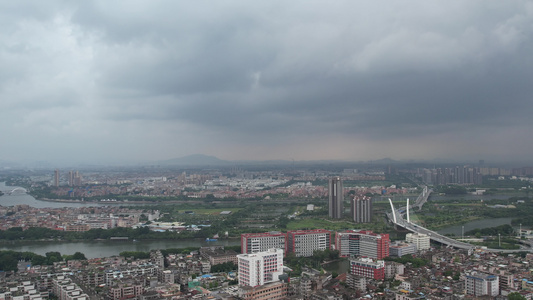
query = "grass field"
x=473 y=204
x=319 y=223
x=211 y=211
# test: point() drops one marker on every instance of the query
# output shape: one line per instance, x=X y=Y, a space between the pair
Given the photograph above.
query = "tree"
x=283 y=221
x=396 y=283
x=515 y=296
x=53 y=257
x=224 y=267
x=75 y=256
x=456 y=276
x=39 y=260
x=8 y=261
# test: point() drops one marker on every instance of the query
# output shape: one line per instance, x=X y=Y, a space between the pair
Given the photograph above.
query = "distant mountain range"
x=201 y=160
x=208 y=160
x=196 y=160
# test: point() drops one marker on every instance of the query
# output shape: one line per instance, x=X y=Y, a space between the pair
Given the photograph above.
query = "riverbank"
x=105 y=202
x=124 y=202
x=451 y=224
x=136 y=240
x=458 y=230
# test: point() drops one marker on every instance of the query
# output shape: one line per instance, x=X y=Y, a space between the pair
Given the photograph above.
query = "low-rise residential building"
x=125 y=290
x=356 y=282
x=217 y=255
x=366 y=267
x=393 y=268
x=481 y=284
x=398 y=249
x=270 y=291
x=421 y=241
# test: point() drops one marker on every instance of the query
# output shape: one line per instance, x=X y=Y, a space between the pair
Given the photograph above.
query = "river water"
x=469 y=197
x=485 y=223
x=106 y=248
x=23 y=198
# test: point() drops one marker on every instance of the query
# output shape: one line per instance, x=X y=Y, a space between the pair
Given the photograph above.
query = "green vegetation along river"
x=93 y=249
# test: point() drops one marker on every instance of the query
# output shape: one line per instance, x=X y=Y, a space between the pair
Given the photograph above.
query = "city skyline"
x=135 y=82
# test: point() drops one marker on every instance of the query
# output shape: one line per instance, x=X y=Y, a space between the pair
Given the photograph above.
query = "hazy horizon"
x=202 y=161
x=131 y=82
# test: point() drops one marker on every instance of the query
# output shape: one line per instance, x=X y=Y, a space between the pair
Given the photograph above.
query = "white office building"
x=260 y=268
x=481 y=284
x=419 y=239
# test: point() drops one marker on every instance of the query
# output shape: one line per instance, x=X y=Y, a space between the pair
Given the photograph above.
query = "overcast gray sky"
x=134 y=81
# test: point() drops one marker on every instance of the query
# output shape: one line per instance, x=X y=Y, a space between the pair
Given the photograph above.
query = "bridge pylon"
x=408 y=219
x=393 y=211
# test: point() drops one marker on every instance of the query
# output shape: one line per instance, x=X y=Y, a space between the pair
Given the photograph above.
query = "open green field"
x=212 y=211
x=464 y=203
x=319 y=223
x=314 y=223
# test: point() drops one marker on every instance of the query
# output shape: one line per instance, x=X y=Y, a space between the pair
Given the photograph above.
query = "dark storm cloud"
x=275 y=72
x=223 y=62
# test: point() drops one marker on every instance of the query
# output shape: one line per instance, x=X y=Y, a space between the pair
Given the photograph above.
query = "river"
x=485 y=223
x=23 y=198
x=470 y=197
x=93 y=249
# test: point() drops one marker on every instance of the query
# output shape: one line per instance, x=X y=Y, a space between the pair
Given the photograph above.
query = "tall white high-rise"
x=56 y=178
x=361 y=209
x=336 y=198
x=260 y=268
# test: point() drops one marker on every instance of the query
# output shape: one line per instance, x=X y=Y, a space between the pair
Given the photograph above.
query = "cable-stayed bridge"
x=396 y=216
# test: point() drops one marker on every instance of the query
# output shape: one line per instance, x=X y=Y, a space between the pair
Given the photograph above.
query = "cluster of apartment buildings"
x=201 y=185
x=456 y=175
x=460 y=274
x=72 y=218
x=361 y=208
x=447 y=274
x=176 y=276
x=261 y=274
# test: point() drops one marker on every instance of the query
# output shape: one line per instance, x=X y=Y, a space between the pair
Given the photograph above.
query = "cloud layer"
x=133 y=81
